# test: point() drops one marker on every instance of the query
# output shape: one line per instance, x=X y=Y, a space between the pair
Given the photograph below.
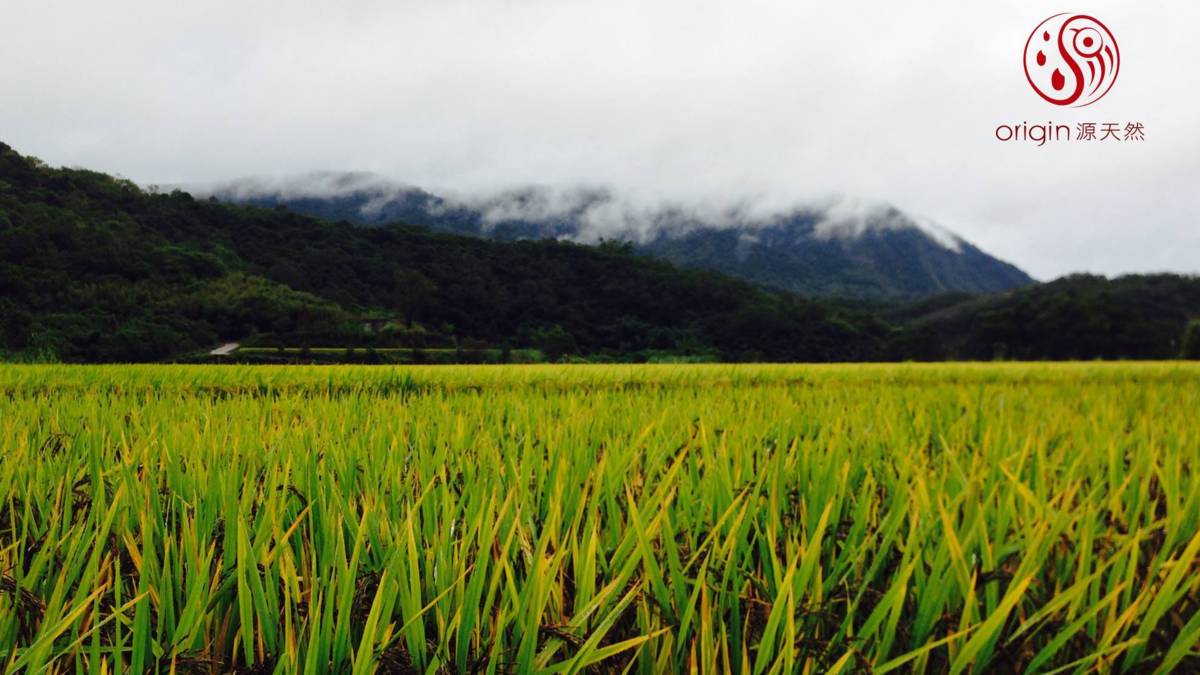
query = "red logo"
x=1071 y=59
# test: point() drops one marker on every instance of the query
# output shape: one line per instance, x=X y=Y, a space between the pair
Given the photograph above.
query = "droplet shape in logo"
x=1057 y=80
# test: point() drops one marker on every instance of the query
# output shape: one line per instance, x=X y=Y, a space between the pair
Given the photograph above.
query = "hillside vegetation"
x=1076 y=317
x=95 y=269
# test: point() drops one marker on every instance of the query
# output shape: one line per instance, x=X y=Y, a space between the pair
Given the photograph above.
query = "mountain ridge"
x=837 y=248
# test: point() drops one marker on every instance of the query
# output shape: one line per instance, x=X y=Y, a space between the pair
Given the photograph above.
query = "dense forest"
x=1076 y=317
x=94 y=268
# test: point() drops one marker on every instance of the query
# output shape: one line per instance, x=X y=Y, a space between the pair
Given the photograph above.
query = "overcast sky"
x=682 y=100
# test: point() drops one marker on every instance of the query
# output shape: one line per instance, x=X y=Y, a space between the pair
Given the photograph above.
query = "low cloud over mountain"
x=835 y=246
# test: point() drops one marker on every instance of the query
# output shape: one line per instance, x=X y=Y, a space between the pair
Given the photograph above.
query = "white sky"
x=688 y=100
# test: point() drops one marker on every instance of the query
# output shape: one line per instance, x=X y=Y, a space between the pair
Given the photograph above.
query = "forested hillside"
x=1076 y=317
x=92 y=268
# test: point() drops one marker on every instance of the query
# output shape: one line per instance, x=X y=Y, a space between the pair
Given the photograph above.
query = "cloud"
x=849 y=217
x=675 y=101
x=320 y=184
x=591 y=214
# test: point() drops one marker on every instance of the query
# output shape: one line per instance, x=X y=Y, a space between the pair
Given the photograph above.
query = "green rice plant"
x=961 y=518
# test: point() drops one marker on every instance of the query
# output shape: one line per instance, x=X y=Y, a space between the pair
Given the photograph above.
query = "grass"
x=563 y=519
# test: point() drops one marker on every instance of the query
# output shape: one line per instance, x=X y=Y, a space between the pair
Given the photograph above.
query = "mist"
x=594 y=213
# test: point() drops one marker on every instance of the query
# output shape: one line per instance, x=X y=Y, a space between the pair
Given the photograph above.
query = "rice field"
x=566 y=519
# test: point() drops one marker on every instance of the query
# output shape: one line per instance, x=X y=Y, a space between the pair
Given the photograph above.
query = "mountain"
x=92 y=268
x=1078 y=317
x=840 y=248
x=888 y=257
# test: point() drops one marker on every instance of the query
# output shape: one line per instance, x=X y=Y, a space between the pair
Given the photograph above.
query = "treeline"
x=92 y=268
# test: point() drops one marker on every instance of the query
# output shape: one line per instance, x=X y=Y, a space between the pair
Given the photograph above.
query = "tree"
x=412 y=292
x=616 y=247
x=1190 y=348
x=555 y=342
x=15 y=324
